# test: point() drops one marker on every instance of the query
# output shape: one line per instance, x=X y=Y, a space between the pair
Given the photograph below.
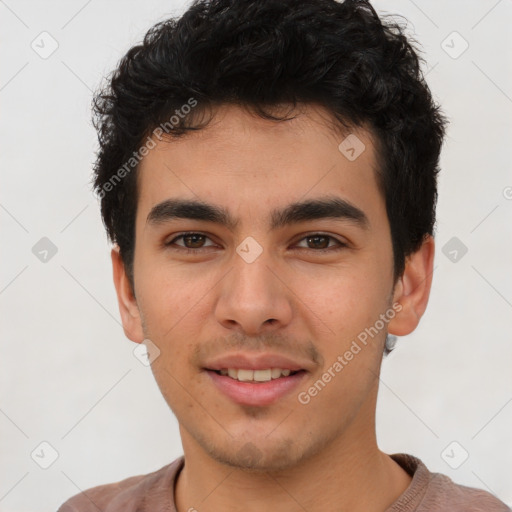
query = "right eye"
x=192 y=242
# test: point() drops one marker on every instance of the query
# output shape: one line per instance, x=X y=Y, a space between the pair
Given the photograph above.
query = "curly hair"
x=261 y=54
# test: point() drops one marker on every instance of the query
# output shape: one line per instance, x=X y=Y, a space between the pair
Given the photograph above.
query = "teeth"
x=262 y=375
x=245 y=375
x=275 y=373
x=255 y=375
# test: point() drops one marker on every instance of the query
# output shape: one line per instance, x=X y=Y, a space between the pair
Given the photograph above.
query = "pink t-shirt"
x=427 y=492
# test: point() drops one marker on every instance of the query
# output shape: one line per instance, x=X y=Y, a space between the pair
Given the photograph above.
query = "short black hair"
x=261 y=54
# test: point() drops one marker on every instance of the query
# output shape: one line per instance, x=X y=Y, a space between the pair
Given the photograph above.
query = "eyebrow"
x=315 y=209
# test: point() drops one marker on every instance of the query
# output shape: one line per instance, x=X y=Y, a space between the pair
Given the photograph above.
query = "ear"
x=130 y=315
x=412 y=289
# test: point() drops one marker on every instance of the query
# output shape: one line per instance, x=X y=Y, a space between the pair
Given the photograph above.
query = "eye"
x=191 y=241
x=320 y=242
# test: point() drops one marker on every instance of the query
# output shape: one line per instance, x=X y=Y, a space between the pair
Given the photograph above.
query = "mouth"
x=266 y=375
x=256 y=387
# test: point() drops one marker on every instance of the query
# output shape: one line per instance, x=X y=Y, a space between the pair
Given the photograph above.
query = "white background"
x=67 y=373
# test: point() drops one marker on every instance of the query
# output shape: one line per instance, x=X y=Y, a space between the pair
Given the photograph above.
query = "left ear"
x=412 y=289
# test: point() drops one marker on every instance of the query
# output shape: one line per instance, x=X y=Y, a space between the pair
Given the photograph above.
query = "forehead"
x=251 y=165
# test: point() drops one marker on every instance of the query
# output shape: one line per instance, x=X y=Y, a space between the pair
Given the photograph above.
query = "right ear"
x=128 y=308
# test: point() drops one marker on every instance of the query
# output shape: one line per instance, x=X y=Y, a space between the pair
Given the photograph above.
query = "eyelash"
x=187 y=250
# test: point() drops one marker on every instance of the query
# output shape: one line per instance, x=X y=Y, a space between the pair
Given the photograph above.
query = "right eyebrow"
x=171 y=209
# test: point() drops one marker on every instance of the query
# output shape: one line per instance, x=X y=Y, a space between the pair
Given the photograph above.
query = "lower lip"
x=256 y=393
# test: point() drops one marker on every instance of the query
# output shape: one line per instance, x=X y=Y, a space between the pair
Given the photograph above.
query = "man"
x=267 y=172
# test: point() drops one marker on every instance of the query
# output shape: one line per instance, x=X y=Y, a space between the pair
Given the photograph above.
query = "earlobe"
x=413 y=289
x=128 y=308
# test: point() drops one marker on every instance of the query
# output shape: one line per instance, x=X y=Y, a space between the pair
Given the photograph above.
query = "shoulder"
x=435 y=492
x=459 y=498
x=126 y=495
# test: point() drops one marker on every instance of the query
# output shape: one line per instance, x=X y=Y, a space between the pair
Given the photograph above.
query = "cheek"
x=345 y=300
x=164 y=294
x=173 y=306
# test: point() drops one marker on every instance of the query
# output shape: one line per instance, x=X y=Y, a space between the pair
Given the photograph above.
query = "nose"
x=253 y=298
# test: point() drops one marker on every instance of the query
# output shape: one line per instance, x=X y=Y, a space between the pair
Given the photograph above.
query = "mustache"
x=280 y=344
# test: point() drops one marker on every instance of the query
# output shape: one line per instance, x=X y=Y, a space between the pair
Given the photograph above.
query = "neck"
x=350 y=472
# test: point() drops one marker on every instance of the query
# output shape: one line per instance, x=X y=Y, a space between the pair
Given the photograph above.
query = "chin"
x=260 y=456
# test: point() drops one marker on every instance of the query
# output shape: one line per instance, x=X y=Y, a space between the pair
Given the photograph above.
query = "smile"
x=265 y=375
x=256 y=387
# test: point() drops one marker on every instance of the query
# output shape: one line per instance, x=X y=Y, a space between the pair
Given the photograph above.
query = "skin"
x=284 y=456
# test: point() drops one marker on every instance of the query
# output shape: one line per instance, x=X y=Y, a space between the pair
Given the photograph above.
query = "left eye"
x=321 y=242
x=316 y=241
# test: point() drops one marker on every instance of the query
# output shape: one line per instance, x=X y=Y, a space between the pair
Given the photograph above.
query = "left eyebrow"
x=324 y=208
x=314 y=209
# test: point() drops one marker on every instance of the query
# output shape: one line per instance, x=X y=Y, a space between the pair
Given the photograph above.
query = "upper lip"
x=248 y=361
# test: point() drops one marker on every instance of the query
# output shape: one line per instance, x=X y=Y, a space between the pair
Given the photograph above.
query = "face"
x=231 y=278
